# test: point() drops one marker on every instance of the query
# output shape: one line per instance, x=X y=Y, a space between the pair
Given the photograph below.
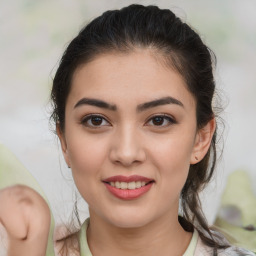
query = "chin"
x=129 y=224
x=133 y=220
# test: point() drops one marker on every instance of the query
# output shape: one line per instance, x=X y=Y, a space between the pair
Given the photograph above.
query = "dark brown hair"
x=181 y=48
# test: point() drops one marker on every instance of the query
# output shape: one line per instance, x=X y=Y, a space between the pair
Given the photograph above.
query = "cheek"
x=172 y=152
x=172 y=159
x=87 y=158
x=86 y=154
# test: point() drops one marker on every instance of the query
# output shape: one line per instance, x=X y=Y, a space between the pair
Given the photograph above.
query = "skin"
x=25 y=216
x=127 y=142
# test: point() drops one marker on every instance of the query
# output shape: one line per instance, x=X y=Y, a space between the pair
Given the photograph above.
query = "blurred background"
x=33 y=36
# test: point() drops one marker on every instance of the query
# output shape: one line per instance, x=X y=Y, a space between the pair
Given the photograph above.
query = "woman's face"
x=129 y=116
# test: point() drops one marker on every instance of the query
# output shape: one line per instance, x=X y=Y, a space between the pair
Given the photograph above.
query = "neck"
x=159 y=237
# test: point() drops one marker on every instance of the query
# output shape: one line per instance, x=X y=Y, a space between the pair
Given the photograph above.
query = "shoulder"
x=204 y=250
x=236 y=251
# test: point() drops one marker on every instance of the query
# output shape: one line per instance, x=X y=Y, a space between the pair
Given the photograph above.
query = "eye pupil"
x=158 y=120
x=96 y=120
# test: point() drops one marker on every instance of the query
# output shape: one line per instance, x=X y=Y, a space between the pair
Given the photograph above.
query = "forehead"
x=139 y=75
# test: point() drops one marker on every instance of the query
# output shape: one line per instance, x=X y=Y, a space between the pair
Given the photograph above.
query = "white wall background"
x=33 y=35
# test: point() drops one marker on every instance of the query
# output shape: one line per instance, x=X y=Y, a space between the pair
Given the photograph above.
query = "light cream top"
x=195 y=247
x=85 y=251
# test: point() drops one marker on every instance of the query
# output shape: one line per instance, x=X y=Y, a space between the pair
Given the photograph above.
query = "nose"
x=127 y=148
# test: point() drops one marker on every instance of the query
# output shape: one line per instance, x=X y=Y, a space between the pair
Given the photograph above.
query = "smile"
x=128 y=188
x=128 y=185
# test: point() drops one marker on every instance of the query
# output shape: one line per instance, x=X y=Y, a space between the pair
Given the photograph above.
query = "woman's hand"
x=26 y=218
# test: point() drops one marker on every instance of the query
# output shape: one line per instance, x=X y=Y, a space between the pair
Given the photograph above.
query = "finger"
x=26 y=217
x=3 y=240
x=24 y=213
x=11 y=213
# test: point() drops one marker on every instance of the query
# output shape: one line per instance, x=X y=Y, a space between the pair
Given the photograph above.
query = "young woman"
x=133 y=109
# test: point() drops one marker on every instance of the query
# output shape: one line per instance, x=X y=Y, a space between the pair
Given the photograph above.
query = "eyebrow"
x=159 y=102
x=140 y=107
x=96 y=103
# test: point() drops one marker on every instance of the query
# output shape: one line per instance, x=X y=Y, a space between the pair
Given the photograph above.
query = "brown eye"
x=158 y=120
x=161 y=120
x=94 y=121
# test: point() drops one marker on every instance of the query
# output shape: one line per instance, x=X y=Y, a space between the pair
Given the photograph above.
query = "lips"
x=128 y=188
x=121 y=178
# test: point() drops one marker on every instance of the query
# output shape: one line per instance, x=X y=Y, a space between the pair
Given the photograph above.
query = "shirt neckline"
x=85 y=250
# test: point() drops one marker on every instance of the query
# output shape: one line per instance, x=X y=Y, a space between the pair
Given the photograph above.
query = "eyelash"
x=164 y=116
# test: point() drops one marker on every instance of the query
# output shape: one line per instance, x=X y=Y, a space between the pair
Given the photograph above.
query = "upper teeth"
x=128 y=185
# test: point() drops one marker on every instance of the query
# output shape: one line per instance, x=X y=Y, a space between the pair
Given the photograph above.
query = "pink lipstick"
x=128 y=187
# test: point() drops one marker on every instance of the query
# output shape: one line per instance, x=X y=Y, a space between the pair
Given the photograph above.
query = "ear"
x=203 y=141
x=63 y=144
